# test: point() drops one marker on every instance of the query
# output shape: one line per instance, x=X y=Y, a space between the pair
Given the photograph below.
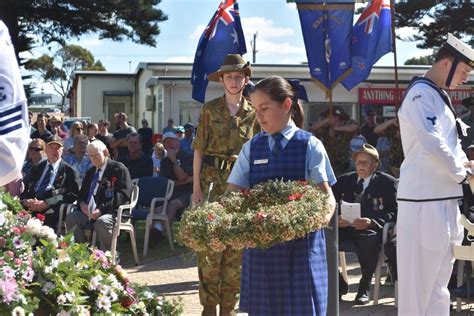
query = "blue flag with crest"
x=327 y=27
x=371 y=39
x=222 y=36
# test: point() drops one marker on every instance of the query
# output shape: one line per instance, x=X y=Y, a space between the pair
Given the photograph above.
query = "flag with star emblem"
x=222 y=36
x=371 y=39
x=327 y=27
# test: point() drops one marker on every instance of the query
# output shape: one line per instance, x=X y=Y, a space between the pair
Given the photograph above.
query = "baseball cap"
x=169 y=135
x=188 y=126
x=180 y=129
x=56 y=140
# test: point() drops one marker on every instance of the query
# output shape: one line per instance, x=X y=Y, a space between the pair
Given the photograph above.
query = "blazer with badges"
x=377 y=202
x=65 y=185
x=433 y=165
x=115 y=187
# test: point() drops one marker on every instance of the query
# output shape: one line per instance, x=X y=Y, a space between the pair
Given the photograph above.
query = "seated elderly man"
x=106 y=186
x=177 y=166
x=376 y=193
x=50 y=183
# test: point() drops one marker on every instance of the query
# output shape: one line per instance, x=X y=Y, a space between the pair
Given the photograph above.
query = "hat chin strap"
x=451 y=72
x=231 y=93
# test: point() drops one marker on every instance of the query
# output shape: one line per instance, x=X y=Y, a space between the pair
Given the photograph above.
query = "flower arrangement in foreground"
x=40 y=272
x=271 y=212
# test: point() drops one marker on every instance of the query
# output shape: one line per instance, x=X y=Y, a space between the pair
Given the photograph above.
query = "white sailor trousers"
x=426 y=233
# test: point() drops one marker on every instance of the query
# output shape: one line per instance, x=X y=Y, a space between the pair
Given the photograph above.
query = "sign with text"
x=383 y=96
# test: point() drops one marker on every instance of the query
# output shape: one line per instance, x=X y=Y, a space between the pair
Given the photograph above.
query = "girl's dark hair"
x=279 y=89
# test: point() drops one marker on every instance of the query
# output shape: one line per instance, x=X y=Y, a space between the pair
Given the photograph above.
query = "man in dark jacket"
x=376 y=193
x=105 y=187
x=50 y=184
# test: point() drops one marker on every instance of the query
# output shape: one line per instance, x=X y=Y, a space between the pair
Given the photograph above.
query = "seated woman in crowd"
x=78 y=159
x=76 y=129
x=34 y=156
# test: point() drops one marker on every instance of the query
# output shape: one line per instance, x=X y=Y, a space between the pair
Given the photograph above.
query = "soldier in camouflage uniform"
x=336 y=132
x=225 y=124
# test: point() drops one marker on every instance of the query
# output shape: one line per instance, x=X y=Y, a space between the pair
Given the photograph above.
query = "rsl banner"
x=327 y=27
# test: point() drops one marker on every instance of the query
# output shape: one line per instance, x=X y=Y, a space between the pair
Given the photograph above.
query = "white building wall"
x=91 y=94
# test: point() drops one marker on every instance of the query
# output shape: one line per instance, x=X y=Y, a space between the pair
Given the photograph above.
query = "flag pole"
x=394 y=45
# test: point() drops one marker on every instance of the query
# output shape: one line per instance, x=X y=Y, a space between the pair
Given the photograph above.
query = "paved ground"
x=177 y=276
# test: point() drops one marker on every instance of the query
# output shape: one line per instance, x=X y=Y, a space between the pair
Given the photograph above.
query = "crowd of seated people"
x=93 y=168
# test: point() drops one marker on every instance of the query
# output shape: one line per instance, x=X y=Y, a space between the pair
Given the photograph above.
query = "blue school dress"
x=288 y=279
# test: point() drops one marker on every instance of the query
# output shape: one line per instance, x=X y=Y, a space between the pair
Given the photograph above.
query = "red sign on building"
x=386 y=96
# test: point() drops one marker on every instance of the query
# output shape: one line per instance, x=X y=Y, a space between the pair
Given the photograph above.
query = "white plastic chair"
x=123 y=223
x=381 y=263
x=155 y=192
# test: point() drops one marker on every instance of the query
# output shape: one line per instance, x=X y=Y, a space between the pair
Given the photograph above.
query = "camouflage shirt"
x=221 y=134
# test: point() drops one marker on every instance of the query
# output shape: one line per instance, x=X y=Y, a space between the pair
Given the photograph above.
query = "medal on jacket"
x=375 y=203
x=381 y=203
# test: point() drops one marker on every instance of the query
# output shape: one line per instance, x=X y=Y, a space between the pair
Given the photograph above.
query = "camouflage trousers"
x=217 y=177
x=219 y=277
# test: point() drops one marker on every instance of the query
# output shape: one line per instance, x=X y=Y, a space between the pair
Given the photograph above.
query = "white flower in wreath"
x=17 y=242
x=48 y=233
x=103 y=303
x=3 y=219
x=18 y=311
x=62 y=299
x=8 y=272
x=28 y=274
x=2 y=205
x=95 y=282
x=33 y=227
x=63 y=313
x=48 y=286
x=113 y=296
x=81 y=310
x=70 y=296
x=114 y=282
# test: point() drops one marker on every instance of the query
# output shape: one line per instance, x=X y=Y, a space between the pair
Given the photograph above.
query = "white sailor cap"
x=459 y=50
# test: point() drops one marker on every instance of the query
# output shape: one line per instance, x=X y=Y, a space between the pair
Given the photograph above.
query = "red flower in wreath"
x=296 y=196
x=245 y=192
x=210 y=217
x=261 y=216
x=41 y=217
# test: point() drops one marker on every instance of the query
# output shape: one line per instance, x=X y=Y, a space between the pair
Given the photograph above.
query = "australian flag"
x=371 y=39
x=327 y=27
x=222 y=36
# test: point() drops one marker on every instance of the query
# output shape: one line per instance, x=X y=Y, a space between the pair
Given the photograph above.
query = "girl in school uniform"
x=289 y=278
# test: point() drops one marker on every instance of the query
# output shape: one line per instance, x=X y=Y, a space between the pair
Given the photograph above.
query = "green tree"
x=433 y=20
x=58 y=68
x=422 y=60
x=42 y=22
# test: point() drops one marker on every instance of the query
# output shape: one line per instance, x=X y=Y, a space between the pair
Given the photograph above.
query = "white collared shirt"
x=53 y=175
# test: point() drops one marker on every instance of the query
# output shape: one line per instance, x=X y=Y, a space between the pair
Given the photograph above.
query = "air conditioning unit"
x=150 y=103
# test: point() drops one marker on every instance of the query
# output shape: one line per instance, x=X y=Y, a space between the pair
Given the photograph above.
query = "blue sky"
x=279 y=38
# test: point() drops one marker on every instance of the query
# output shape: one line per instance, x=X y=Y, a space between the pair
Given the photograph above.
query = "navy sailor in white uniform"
x=431 y=175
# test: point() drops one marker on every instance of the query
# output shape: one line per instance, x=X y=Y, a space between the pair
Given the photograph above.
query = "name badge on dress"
x=260 y=161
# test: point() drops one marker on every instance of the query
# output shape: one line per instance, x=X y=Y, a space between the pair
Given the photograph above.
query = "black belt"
x=219 y=163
